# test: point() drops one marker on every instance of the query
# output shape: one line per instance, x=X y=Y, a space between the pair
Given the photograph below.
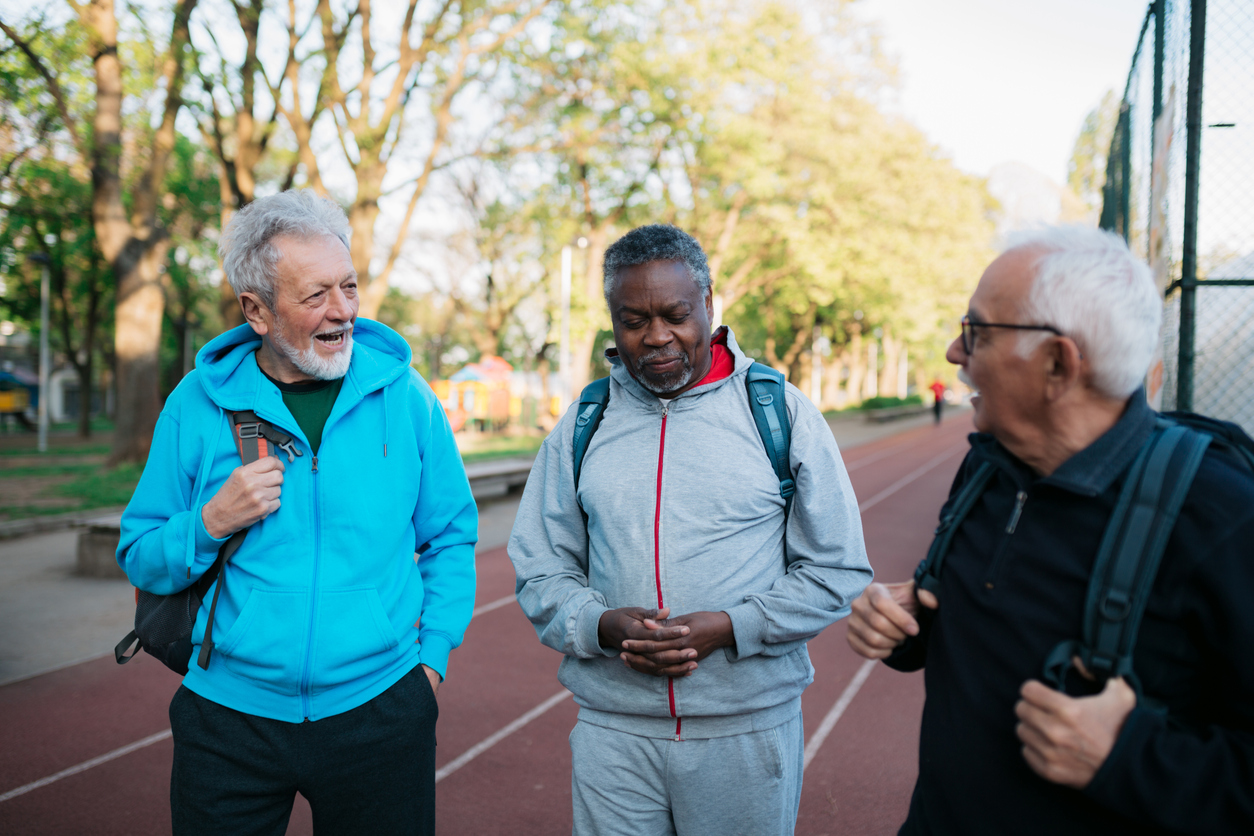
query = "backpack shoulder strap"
x=1131 y=550
x=254 y=439
x=592 y=403
x=927 y=576
x=770 y=412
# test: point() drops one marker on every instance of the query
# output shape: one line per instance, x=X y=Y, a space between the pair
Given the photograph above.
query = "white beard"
x=966 y=379
x=311 y=362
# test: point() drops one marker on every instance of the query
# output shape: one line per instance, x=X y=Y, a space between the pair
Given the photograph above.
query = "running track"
x=100 y=732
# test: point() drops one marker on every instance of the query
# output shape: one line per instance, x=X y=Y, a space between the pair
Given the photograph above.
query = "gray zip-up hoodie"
x=684 y=510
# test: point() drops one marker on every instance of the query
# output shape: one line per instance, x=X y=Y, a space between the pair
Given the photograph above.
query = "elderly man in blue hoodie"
x=356 y=577
x=672 y=577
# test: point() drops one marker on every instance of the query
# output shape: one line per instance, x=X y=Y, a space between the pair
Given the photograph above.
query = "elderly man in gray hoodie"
x=672 y=576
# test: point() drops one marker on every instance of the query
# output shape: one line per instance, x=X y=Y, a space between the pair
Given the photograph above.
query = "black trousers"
x=368 y=770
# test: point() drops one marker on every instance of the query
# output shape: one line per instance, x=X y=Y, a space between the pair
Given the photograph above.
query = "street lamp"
x=563 y=359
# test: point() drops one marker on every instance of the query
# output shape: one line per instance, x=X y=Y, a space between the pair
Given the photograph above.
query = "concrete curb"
x=54 y=522
x=492 y=479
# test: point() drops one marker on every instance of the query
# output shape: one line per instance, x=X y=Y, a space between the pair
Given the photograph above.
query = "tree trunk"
x=361 y=217
x=137 y=342
x=889 y=373
x=136 y=247
x=84 y=396
x=857 y=366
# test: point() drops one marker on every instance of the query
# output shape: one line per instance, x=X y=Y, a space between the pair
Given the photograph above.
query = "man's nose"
x=956 y=353
x=657 y=332
x=339 y=306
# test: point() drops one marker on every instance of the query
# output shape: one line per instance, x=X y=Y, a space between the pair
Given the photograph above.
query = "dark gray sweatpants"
x=743 y=785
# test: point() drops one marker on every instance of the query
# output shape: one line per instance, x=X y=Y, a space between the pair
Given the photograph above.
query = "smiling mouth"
x=334 y=339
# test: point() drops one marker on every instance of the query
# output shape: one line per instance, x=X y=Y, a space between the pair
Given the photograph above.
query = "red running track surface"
x=858 y=782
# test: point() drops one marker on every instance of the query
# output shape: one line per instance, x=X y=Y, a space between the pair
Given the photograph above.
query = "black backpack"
x=164 y=623
x=1131 y=547
x=765 y=387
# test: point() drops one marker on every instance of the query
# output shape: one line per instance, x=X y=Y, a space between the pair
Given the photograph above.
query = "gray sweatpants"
x=744 y=785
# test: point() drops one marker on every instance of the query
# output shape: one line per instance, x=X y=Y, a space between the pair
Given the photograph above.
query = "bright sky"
x=996 y=80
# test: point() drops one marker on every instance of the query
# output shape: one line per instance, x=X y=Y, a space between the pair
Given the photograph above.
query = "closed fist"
x=250 y=494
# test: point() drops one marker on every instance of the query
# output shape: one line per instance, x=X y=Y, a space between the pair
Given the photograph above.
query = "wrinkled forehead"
x=661 y=282
x=1003 y=289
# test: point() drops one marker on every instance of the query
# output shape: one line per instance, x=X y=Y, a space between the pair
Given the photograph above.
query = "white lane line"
x=490 y=741
x=497 y=604
x=86 y=765
x=829 y=722
x=883 y=454
x=906 y=480
x=851 y=690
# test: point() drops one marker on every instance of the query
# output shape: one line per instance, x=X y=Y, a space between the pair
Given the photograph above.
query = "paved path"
x=99 y=732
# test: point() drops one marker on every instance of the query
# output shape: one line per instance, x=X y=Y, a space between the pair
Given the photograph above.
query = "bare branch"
x=54 y=87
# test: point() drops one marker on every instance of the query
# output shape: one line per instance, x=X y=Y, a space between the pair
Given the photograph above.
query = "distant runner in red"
x=671 y=575
x=938 y=390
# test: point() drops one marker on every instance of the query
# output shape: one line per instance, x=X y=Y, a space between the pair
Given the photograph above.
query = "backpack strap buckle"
x=250 y=430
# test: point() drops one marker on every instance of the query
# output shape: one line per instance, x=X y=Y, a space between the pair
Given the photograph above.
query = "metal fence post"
x=1192 y=171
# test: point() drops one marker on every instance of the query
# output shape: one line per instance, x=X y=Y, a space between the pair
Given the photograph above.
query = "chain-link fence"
x=1180 y=189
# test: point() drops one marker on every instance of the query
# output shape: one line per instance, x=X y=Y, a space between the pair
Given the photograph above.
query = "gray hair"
x=248 y=257
x=656 y=242
x=1090 y=286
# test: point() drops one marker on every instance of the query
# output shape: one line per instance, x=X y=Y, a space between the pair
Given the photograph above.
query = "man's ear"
x=709 y=304
x=256 y=314
x=1064 y=367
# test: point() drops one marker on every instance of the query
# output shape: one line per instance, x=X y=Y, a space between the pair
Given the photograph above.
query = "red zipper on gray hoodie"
x=657 y=555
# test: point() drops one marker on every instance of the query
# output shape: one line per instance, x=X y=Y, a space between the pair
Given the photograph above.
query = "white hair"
x=249 y=257
x=1088 y=285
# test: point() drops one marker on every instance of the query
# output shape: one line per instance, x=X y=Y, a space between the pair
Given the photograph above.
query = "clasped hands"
x=1065 y=739
x=651 y=642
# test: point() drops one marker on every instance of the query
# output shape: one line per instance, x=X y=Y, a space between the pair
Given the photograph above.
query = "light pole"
x=45 y=293
x=563 y=355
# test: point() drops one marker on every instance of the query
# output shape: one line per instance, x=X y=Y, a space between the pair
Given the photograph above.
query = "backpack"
x=164 y=623
x=765 y=387
x=1132 y=544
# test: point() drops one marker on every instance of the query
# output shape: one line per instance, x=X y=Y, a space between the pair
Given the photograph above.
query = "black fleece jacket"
x=1010 y=592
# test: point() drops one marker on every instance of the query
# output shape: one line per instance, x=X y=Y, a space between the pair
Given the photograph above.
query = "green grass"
x=66 y=450
x=501 y=447
x=102 y=487
x=92 y=486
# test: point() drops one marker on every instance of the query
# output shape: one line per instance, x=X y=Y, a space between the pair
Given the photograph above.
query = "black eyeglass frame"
x=969 y=325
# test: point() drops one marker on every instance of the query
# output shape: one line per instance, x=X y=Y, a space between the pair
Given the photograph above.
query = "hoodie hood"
x=227 y=365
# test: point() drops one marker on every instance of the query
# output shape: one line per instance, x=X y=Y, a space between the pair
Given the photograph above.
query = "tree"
x=49 y=212
x=237 y=123
x=128 y=230
x=403 y=87
x=1086 y=171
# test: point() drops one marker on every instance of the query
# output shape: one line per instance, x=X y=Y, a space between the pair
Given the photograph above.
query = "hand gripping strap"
x=927 y=576
x=1131 y=550
x=592 y=403
x=770 y=413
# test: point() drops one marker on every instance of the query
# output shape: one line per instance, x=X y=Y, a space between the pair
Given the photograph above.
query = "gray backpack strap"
x=1129 y=556
x=927 y=576
x=592 y=403
x=770 y=412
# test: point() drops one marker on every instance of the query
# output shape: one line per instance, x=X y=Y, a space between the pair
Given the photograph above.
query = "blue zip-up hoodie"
x=326 y=604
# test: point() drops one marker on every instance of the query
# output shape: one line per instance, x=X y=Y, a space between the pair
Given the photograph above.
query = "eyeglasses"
x=969 y=325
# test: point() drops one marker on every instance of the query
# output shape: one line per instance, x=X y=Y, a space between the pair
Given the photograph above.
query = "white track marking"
x=883 y=454
x=495 y=738
x=493 y=605
x=851 y=690
x=86 y=765
x=906 y=480
x=829 y=722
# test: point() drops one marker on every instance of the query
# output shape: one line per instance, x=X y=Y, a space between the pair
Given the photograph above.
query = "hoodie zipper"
x=307 y=676
x=657 y=552
x=994 y=570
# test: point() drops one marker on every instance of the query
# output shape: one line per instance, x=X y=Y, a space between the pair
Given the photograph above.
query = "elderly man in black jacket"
x=1058 y=337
